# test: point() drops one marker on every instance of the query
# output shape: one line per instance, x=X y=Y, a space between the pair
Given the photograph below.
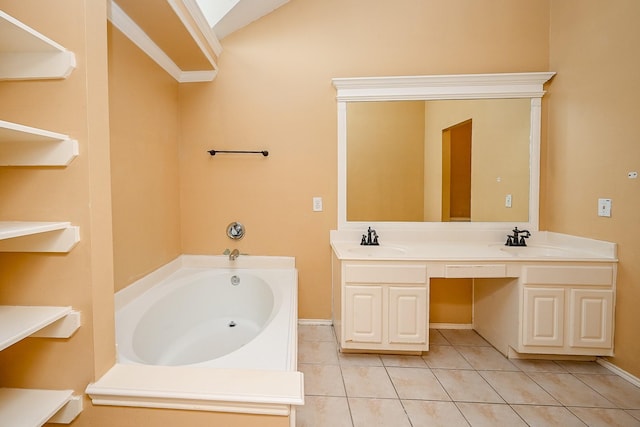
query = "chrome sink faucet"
x=518 y=237
x=370 y=239
x=234 y=254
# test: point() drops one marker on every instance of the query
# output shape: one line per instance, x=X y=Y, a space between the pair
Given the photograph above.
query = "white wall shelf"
x=25 y=54
x=26 y=236
x=27 y=146
x=19 y=322
x=33 y=408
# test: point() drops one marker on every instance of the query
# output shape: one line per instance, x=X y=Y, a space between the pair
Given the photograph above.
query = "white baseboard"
x=450 y=325
x=618 y=371
x=319 y=322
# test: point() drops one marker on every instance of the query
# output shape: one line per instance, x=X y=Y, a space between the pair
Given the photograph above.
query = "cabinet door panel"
x=363 y=314
x=543 y=316
x=407 y=315
x=591 y=318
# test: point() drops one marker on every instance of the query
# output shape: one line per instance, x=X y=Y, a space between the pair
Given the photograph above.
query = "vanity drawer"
x=385 y=274
x=475 y=270
x=568 y=275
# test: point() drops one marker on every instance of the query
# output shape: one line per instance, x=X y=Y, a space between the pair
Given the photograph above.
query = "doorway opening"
x=456 y=172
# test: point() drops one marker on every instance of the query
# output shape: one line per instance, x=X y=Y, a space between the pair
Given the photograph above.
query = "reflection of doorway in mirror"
x=456 y=172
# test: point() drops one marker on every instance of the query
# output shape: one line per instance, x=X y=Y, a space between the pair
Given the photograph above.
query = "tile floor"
x=461 y=381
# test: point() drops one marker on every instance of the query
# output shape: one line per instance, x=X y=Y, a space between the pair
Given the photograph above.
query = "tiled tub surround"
x=461 y=381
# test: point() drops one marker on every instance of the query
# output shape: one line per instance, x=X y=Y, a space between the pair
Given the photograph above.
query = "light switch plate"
x=604 y=207
x=317 y=204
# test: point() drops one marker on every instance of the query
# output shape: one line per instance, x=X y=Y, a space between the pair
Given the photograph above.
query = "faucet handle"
x=364 y=240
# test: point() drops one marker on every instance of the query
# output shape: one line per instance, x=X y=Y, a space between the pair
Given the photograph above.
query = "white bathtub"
x=207 y=333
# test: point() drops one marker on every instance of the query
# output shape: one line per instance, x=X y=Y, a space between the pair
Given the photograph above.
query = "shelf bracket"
x=68 y=412
x=61 y=328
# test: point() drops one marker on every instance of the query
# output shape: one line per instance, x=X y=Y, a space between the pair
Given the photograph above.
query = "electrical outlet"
x=317 y=204
x=507 y=201
x=632 y=175
x=604 y=207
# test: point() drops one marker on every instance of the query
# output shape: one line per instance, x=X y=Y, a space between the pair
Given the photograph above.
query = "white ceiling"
x=227 y=16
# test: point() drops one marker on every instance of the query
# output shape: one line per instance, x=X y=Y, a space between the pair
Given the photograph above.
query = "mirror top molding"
x=442 y=87
x=454 y=86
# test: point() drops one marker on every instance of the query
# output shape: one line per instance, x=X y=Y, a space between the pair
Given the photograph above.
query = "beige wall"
x=79 y=193
x=385 y=161
x=500 y=149
x=274 y=91
x=143 y=109
x=593 y=142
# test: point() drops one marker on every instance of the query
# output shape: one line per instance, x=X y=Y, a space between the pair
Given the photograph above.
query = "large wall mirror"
x=439 y=151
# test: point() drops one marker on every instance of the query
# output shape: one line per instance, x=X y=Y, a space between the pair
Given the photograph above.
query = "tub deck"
x=203 y=389
x=274 y=391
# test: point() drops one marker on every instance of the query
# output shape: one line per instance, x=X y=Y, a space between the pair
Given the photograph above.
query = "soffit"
x=159 y=21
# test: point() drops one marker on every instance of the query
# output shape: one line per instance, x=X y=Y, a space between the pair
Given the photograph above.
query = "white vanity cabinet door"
x=591 y=318
x=363 y=313
x=407 y=315
x=543 y=317
x=568 y=309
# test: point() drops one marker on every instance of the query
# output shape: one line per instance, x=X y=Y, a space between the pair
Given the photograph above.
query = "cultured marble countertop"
x=543 y=246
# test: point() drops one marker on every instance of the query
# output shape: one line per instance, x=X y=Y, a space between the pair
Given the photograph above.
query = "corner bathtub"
x=207 y=333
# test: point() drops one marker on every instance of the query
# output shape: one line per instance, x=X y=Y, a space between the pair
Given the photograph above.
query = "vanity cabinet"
x=567 y=310
x=384 y=307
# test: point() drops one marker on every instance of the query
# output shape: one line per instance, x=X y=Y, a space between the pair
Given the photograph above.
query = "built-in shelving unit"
x=27 y=146
x=25 y=54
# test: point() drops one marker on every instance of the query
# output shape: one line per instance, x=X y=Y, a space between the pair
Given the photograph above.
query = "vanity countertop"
x=544 y=246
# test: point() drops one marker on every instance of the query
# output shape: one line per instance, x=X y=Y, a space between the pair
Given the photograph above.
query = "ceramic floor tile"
x=315 y=333
x=378 y=412
x=576 y=367
x=490 y=415
x=320 y=411
x=466 y=386
x=615 y=389
x=417 y=383
x=518 y=388
x=317 y=352
x=368 y=381
x=434 y=414
x=486 y=358
x=463 y=337
x=547 y=416
x=405 y=361
x=532 y=365
x=436 y=338
x=569 y=390
x=599 y=417
x=353 y=359
x=445 y=357
x=635 y=413
x=322 y=380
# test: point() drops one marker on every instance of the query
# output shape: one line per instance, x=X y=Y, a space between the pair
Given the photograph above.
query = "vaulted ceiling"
x=182 y=36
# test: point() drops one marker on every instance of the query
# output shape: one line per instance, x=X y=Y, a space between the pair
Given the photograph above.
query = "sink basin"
x=536 y=251
x=377 y=251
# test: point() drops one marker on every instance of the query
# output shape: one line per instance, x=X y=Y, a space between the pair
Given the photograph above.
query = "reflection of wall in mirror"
x=385 y=161
x=499 y=160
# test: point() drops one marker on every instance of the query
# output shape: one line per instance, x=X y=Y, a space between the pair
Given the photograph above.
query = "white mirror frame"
x=427 y=88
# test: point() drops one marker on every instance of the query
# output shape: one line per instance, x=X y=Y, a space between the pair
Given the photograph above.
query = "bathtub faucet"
x=234 y=254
